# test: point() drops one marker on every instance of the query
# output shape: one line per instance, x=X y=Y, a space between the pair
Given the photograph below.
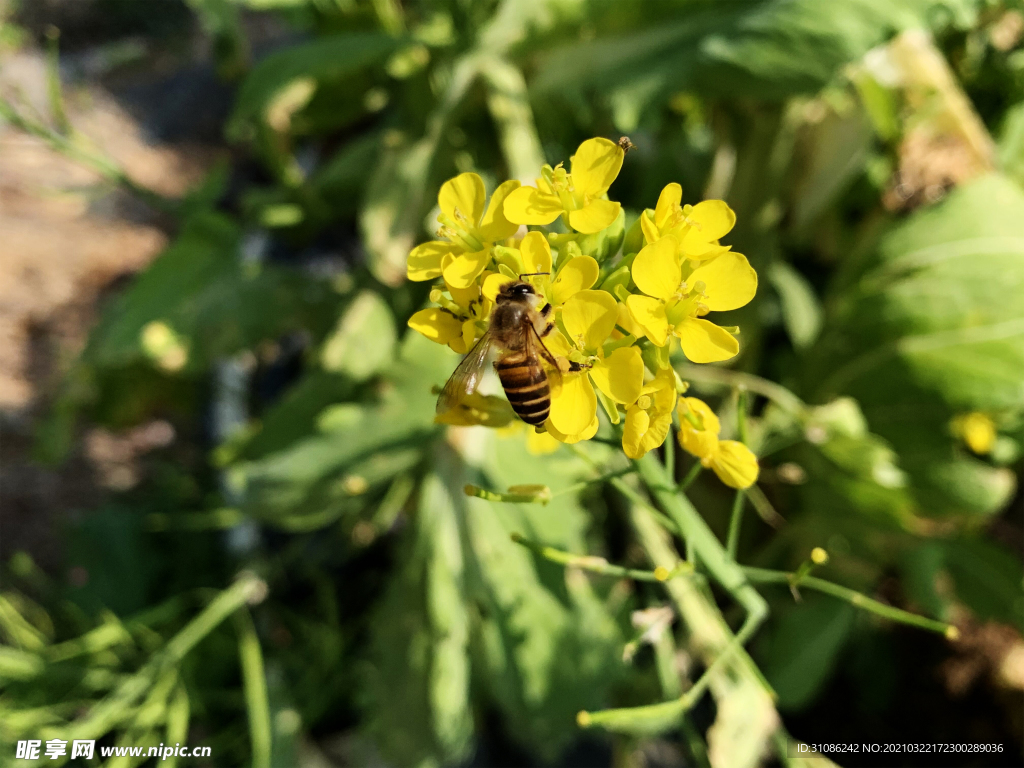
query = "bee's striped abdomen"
x=526 y=386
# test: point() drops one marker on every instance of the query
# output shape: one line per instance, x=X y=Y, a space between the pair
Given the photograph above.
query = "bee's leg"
x=577 y=367
x=545 y=325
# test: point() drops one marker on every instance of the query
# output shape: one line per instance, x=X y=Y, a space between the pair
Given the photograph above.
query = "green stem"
x=853 y=597
x=594 y=481
x=254 y=683
x=774 y=392
x=542 y=495
x=741 y=416
x=733 y=540
x=599 y=564
x=670 y=455
x=120 y=704
x=636 y=498
x=69 y=146
x=691 y=475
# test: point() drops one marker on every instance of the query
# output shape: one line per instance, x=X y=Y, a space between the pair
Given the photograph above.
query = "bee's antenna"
x=531 y=274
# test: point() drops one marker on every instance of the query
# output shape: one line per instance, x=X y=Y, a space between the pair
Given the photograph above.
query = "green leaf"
x=801 y=310
x=206 y=301
x=989 y=579
x=764 y=49
x=804 y=647
x=329 y=58
x=419 y=682
x=397 y=196
x=1011 y=143
x=363 y=341
x=547 y=645
x=930 y=327
x=327 y=473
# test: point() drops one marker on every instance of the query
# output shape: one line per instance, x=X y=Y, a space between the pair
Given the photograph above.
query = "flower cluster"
x=623 y=301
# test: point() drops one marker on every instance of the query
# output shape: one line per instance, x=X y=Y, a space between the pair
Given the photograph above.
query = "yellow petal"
x=465 y=343
x=436 y=324
x=735 y=464
x=464 y=296
x=492 y=285
x=594 y=216
x=575 y=406
x=462 y=199
x=589 y=317
x=577 y=274
x=536 y=253
x=633 y=431
x=586 y=434
x=712 y=219
x=704 y=342
x=699 y=442
x=650 y=229
x=729 y=279
x=461 y=271
x=668 y=203
x=557 y=344
x=425 y=260
x=632 y=326
x=656 y=269
x=528 y=205
x=620 y=375
x=494 y=225
x=594 y=167
x=649 y=314
x=703 y=413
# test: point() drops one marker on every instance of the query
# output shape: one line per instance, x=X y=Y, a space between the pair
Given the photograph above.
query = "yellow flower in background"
x=468 y=231
x=649 y=419
x=677 y=296
x=578 y=194
x=734 y=463
x=697 y=228
x=977 y=430
x=589 y=319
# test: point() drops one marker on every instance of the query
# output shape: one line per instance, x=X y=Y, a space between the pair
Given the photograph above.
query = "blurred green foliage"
x=398 y=610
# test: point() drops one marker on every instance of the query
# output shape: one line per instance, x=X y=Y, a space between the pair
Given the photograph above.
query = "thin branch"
x=852 y=596
x=774 y=392
x=599 y=565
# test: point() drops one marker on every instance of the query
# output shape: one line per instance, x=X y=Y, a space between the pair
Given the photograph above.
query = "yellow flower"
x=589 y=319
x=534 y=256
x=679 y=295
x=732 y=461
x=648 y=420
x=458 y=322
x=468 y=231
x=697 y=228
x=577 y=195
x=977 y=430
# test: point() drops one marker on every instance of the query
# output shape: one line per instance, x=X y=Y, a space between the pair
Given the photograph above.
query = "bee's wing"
x=467 y=376
x=535 y=345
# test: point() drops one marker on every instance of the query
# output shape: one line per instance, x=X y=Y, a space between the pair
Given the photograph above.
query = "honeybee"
x=517 y=329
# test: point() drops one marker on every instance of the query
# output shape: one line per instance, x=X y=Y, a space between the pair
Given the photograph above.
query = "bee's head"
x=517 y=290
